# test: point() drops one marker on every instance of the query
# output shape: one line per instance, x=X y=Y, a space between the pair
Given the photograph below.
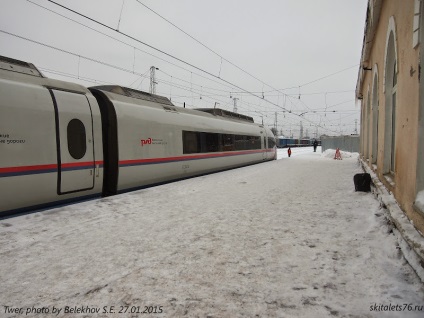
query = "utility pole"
x=275 y=122
x=301 y=130
x=153 y=82
x=235 y=105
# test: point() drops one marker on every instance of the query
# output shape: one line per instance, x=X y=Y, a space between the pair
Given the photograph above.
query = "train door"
x=74 y=141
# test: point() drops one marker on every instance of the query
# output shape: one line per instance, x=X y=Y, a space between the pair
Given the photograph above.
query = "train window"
x=212 y=143
x=201 y=142
x=253 y=142
x=228 y=142
x=240 y=142
x=271 y=142
x=191 y=142
x=77 y=141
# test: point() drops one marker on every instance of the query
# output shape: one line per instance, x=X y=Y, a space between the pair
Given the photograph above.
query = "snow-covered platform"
x=289 y=238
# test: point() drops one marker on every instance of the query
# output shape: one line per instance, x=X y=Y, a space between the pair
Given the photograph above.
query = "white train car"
x=50 y=139
x=60 y=141
x=157 y=141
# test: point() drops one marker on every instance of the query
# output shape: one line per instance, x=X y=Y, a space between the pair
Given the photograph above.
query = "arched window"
x=375 y=117
x=390 y=87
x=362 y=130
x=393 y=119
x=367 y=127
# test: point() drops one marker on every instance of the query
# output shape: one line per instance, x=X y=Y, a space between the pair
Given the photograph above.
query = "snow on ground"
x=288 y=238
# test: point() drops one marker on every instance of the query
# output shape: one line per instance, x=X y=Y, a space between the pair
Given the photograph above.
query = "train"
x=62 y=142
x=284 y=142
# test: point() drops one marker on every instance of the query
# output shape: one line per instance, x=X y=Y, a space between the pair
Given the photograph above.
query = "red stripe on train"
x=48 y=167
x=188 y=157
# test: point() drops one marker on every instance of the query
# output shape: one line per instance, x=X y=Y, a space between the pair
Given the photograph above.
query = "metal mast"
x=301 y=130
x=235 y=105
x=153 y=82
x=275 y=122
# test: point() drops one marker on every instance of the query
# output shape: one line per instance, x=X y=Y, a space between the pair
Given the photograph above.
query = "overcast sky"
x=272 y=55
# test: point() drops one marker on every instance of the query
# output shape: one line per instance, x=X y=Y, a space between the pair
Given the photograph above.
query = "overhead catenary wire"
x=202 y=44
x=249 y=92
x=190 y=65
x=69 y=75
x=222 y=58
x=169 y=55
x=163 y=52
x=71 y=53
x=230 y=88
x=84 y=57
x=125 y=43
x=319 y=79
x=150 y=46
x=236 y=66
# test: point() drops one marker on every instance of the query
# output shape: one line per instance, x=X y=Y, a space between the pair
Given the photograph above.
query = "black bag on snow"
x=362 y=182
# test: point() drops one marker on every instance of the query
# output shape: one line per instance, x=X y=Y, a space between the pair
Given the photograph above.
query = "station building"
x=390 y=87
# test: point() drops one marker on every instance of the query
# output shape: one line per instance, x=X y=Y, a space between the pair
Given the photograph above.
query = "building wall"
x=397 y=16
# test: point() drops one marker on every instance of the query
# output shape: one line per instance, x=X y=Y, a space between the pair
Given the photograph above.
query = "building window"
x=77 y=142
x=367 y=127
x=390 y=93
x=374 y=118
x=393 y=124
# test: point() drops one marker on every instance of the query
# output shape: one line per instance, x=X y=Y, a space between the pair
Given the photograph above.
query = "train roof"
x=161 y=101
x=129 y=92
x=17 y=70
x=226 y=113
x=9 y=64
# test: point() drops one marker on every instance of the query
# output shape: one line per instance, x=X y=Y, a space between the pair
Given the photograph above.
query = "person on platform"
x=289 y=151
x=315 y=145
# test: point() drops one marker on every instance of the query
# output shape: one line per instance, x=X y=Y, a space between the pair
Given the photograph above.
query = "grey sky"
x=284 y=44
